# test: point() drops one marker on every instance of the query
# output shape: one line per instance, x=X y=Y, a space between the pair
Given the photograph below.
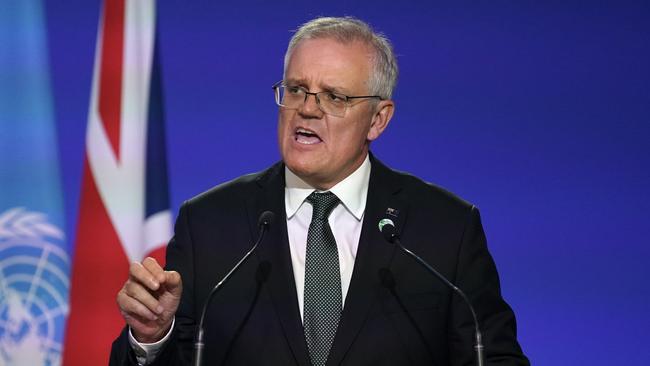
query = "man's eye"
x=294 y=89
x=335 y=97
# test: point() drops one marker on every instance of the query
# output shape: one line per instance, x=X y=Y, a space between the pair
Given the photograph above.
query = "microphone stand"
x=387 y=228
x=199 y=345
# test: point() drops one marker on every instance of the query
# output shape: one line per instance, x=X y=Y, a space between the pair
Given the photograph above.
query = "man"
x=324 y=287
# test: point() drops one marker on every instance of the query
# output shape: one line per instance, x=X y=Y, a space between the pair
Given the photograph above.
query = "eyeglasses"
x=335 y=104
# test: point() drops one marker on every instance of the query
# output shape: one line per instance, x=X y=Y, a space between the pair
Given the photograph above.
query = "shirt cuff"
x=145 y=353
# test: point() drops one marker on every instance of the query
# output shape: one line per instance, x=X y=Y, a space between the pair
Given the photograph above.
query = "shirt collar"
x=352 y=191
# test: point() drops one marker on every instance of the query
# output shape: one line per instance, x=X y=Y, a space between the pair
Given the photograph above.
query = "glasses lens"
x=289 y=97
x=294 y=97
x=332 y=103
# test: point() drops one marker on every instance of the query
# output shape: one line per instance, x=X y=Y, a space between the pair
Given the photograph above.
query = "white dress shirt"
x=345 y=221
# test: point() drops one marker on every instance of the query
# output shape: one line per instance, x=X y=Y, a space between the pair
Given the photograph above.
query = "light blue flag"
x=34 y=261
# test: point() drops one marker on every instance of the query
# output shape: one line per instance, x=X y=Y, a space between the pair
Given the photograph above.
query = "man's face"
x=323 y=149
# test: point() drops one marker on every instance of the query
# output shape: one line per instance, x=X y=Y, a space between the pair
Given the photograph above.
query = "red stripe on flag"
x=110 y=87
x=100 y=268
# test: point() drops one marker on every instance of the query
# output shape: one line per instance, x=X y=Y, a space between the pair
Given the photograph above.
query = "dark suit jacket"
x=395 y=313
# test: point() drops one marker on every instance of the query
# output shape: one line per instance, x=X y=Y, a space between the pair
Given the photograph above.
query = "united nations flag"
x=33 y=289
x=34 y=261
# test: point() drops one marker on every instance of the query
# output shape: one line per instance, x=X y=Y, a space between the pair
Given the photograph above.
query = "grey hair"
x=383 y=76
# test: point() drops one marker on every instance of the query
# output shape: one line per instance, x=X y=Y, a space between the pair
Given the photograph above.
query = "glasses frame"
x=347 y=98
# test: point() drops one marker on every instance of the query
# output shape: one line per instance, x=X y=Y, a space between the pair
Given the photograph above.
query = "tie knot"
x=323 y=204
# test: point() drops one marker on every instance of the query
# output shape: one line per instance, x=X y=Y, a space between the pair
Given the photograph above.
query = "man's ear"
x=380 y=119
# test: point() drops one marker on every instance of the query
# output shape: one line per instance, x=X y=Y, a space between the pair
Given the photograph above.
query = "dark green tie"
x=322 y=302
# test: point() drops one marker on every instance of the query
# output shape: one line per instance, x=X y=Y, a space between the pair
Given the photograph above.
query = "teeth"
x=306 y=137
x=302 y=130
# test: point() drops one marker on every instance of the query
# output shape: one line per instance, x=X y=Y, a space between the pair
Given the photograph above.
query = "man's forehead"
x=329 y=64
x=335 y=43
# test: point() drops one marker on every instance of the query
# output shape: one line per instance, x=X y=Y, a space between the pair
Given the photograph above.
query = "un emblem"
x=34 y=284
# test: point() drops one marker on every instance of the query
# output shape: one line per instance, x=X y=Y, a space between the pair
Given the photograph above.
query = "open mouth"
x=307 y=137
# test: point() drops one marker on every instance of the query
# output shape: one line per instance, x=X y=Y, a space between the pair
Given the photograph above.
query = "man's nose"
x=310 y=107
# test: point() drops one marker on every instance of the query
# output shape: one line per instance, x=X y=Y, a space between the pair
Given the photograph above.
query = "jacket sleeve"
x=178 y=348
x=477 y=276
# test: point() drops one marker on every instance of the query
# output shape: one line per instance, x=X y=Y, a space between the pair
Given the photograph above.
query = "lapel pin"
x=392 y=212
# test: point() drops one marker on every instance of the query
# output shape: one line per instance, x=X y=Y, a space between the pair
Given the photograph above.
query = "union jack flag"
x=124 y=212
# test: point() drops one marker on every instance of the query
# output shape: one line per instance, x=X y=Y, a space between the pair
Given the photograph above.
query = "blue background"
x=537 y=112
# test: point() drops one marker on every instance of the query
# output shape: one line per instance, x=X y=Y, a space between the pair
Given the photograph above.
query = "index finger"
x=155 y=269
x=140 y=274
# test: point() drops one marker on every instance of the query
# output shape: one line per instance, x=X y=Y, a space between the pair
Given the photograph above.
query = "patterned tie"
x=322 y=302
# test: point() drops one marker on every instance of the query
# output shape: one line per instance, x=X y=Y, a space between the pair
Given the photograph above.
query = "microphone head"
x=387 y=229
x=266 y=218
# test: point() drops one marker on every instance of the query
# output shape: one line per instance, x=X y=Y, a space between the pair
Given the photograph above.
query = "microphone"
x=264 y=222
x=387 y=228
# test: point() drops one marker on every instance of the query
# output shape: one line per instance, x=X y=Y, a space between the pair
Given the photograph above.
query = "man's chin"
x=303 y=162
x=310 y=173
x=302 y=170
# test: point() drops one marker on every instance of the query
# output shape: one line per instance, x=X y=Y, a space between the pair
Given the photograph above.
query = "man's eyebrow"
x=323 y=87
x=334 y=89
x=295 y=81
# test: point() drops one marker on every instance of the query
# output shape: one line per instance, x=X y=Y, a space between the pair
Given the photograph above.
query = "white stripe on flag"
x=121 y=180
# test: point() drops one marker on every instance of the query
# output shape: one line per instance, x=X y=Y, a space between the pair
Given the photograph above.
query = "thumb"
x=173 y=282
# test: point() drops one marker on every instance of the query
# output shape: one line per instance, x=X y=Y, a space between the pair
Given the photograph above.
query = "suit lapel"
x=275 y=250
x=373 y=254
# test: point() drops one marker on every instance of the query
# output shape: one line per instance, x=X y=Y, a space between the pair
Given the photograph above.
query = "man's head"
x=342 y=56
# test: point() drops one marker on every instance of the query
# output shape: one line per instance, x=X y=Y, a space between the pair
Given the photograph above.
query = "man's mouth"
x=306 y=137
